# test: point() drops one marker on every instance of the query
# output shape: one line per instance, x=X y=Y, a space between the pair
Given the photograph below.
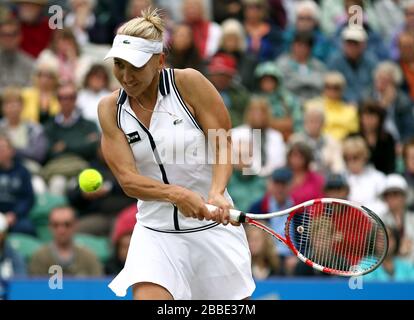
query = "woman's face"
x=97 y=82
x=313 y=124
x=268 y=84
x=333 y=91
x=254 y=12
x=370 y=121
x=182 y=38
x=231 y=42
x=257 y=116
x=256 y=240
x=65 y=46
x=383 y=81
x=12 y=110
x=305 y=21
x=46 y=79
x=355 y=162
x=296 y=160
x=136 y=80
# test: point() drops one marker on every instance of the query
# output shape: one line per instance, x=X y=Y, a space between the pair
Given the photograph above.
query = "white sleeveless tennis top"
x=172 y=150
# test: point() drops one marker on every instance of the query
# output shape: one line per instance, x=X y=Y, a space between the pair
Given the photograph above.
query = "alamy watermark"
x=56 y=278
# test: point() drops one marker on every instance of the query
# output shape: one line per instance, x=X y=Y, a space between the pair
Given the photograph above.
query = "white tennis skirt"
x=213 y=264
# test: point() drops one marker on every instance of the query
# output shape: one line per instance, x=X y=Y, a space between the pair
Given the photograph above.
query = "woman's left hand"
x=223 y=207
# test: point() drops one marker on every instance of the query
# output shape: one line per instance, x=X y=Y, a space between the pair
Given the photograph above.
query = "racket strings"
x=339 y=237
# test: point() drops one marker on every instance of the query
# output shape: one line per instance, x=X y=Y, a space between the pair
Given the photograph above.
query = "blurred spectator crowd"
x=334 y=102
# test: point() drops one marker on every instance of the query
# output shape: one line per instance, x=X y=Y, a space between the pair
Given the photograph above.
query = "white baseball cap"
x=137 y=51
x=3 y=223
x=395 y=182
x=354 y=33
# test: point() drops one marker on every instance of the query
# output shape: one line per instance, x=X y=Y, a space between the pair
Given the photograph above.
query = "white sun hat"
x=137 y=51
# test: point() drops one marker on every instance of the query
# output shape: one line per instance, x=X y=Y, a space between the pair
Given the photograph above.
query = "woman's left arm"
x=209 y=110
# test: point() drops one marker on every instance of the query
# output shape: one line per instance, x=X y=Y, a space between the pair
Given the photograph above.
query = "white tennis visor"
x=137 y=51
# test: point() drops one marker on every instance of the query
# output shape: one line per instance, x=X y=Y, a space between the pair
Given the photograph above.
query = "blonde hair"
x=390 y=68
x=258 y=102
x=335 y=77
x=234 y=27
x=355 y=145
x=150 y=26
x=12 y=94
x=308 y=5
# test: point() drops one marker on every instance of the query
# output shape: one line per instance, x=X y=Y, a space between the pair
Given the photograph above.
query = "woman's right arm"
x=119 y=157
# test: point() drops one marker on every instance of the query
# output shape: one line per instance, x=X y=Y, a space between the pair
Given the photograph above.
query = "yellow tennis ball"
x=90 y=180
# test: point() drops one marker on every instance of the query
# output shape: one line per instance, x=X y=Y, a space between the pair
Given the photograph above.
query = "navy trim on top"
x=198 y=229
x=160 y=165
x=181 y=100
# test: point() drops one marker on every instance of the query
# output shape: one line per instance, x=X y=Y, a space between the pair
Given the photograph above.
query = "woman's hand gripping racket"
x=331 y=235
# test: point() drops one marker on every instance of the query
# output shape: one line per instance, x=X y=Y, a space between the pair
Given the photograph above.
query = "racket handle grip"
x=235 y=215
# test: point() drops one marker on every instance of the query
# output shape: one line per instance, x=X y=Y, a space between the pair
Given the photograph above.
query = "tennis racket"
x=334 y=236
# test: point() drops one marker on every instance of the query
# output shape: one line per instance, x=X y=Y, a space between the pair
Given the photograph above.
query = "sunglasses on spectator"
x=67 y=97
x=336 y=87
x=65 y=224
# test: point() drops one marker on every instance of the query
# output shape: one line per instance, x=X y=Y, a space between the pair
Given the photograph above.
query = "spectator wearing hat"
x=234 y=43
x=16 y=66
x=341 y=118
x=307 y=15
x=271 y=148
x=399 y=120
x=398 y=216
x=222 y=73
x=327 y=152
x=355 y=62
x=11 y=263
x=381 y=143
x=277 y=198
x=121 y=237
x=302 y=73
x=365 y=182
x=36 y=33
x=62 y=251
x=374 y=41
x=16 y=192
x=336 y=187
x=264 y=40
x=286 y=109
x=307 y=184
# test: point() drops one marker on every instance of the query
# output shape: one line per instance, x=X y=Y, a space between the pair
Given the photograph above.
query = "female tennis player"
x=178 y=250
